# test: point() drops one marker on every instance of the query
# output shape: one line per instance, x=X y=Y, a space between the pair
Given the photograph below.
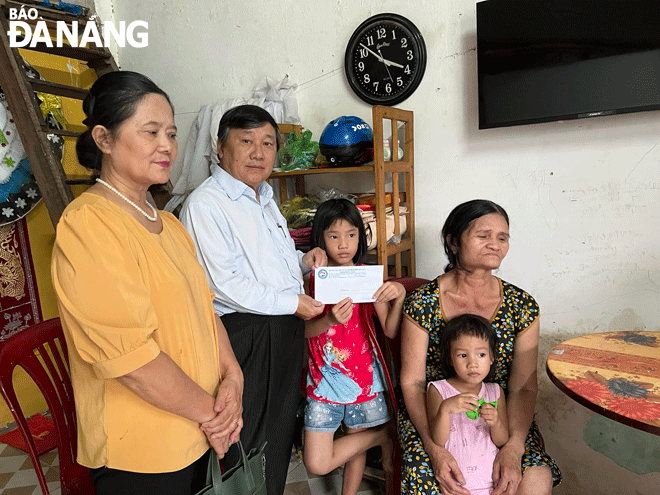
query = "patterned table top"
x=616 y=374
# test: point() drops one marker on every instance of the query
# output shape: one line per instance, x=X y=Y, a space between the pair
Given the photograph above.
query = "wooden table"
x=616 y=374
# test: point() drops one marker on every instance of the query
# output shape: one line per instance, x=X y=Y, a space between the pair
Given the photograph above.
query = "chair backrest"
x=393 y=352
x=41 y=351
x=391 y=349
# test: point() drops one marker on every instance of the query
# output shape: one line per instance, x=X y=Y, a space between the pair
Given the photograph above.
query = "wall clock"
x=385 y=59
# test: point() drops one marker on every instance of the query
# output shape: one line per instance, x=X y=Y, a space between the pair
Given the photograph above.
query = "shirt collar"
x=235 y=188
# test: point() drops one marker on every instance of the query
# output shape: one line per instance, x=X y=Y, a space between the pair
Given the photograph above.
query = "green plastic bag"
x=299 y=153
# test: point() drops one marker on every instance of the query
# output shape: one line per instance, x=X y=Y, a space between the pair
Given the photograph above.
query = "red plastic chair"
x=41 y=351
x=392 y=355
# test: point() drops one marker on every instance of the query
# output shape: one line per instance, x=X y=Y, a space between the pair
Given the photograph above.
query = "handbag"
x=248 y=477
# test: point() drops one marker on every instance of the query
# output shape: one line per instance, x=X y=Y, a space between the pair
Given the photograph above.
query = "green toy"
x=475 y=414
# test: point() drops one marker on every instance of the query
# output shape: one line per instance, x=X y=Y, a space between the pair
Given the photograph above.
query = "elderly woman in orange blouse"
x=155 y=380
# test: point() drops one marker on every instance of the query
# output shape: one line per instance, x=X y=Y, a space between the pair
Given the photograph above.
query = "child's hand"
x=390 y=291
x=489 y=414
x=341 y=312
x=460 y=403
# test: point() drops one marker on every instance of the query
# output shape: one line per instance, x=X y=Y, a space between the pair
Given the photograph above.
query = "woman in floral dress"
x=476 y=239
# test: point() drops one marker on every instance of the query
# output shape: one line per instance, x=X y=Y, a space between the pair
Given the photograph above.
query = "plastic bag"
x=299 y=153
x=333 y=193
x=299 y=211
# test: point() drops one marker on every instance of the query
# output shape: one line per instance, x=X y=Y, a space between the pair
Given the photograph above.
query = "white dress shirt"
x=244 y=247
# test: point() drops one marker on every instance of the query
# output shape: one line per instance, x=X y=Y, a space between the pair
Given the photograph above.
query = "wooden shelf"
x=379 y=167
x=367 y=167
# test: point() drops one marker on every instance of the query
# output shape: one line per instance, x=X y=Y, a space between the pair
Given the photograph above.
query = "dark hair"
x=246 y=117
x=466 y=324
x=458 y=222
x=112 y=100
x=328 y=213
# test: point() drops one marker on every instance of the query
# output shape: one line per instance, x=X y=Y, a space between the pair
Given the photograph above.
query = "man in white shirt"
x=252 y=265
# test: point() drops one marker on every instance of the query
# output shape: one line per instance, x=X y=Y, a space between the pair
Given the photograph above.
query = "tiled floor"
x=299 y=482
x=17 y=477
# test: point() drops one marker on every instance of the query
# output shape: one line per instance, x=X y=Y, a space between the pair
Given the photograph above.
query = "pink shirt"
x=470 y=442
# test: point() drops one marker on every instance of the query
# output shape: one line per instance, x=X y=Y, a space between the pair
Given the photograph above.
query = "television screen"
x=549 y=60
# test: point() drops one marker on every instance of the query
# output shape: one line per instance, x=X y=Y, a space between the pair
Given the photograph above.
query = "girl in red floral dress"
x=344 y=381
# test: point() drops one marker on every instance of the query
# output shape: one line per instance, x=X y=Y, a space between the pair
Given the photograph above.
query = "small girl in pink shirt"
x=468 y=346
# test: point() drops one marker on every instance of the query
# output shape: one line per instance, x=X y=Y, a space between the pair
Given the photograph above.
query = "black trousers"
x=187 y=481
x=270 y=352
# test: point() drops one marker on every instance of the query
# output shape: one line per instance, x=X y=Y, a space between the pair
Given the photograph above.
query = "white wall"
x=582 y=195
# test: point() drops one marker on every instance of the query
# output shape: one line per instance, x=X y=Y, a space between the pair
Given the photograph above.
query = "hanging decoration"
x=19 y=299
x=19 y=192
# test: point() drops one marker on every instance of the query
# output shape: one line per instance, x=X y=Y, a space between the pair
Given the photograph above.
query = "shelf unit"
x=379 y=168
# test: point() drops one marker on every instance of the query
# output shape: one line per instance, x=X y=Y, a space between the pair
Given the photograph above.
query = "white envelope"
x=334 y=283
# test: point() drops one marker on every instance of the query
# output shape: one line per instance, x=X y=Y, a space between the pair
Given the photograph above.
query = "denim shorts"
x=327 y=417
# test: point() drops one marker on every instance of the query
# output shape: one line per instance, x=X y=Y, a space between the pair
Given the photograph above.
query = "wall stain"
x=626 y=320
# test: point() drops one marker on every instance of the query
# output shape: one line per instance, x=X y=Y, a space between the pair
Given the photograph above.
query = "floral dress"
x=516 y=313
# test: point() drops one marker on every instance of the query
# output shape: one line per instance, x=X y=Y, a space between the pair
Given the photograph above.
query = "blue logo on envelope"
x=323 y=274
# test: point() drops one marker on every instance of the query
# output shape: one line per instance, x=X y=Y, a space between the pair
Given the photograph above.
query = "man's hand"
x=314 y=258
x=308 y=308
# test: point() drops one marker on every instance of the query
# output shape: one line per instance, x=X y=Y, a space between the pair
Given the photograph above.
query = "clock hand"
x=389 y=62
x=379 y=57
x=386 y=67
x=372 y=52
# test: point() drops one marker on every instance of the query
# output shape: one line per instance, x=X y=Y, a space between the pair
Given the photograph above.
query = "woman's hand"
x=341 y=312
x=220 y=445
x=228 y=404
x=446 y=470
x=506 y=470
x=390 y=291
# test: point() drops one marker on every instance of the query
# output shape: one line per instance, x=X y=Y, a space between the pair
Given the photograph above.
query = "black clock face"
x=385 y=59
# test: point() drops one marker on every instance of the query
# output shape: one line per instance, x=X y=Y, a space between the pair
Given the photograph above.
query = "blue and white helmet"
x=344 y=140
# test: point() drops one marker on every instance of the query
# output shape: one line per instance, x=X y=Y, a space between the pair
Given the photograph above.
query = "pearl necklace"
x=153 y=219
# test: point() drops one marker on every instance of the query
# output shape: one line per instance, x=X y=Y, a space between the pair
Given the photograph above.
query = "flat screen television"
x=551 y=60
